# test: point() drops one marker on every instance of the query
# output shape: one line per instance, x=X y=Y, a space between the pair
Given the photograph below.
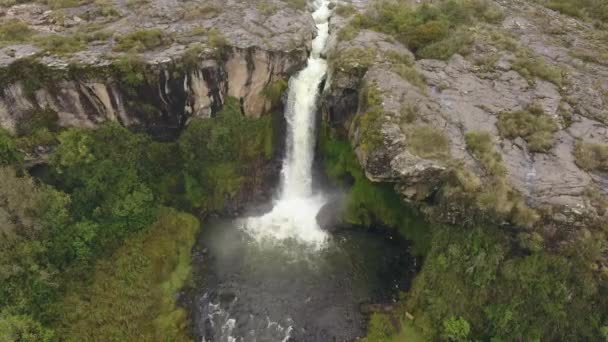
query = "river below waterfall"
x=287 y=291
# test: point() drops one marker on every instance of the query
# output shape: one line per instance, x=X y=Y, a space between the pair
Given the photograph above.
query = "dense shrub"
x=427 y=141
x=431 y=30
x=14 y=31
x=591 y=157
x=475 y=275
x=532 y=124
x=530 y=67
x=142 y=40
x=133 y=291
x=593 y=9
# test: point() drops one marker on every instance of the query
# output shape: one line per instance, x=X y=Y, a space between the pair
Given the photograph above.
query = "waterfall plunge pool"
x=285 y=291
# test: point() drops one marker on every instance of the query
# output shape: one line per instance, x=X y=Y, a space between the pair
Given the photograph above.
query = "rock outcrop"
x=180 y=60
x=442 y=101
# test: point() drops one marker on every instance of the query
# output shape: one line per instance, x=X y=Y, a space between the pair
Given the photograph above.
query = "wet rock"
x=329 y=218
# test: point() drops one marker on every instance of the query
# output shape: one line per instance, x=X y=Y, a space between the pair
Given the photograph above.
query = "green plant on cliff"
x=592 y=9
x=590 y=156
x=427 y=141
x=274 y=90
x=530 y=67
x=14 y=31
x=368 y=203
x=431 y=30
x=142 y=40
x=531 y=124
x=497 y=197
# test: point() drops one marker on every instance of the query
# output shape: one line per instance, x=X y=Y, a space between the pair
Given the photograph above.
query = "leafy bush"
x=503 y=294
x=142 y=40
x=591 y=157
x=532 y=124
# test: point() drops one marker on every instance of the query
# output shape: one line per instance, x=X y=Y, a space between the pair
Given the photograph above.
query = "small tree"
x=455 y=329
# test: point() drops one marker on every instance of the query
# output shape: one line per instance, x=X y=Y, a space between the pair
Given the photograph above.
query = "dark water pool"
x=247 y=291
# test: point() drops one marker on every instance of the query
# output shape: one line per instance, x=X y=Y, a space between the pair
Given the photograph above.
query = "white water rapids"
x=294 y=213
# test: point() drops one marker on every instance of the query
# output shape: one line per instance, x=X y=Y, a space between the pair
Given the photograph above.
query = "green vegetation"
x=369 y=204
x=96 y=242
x=14 y=31
x=427 y=141
x=142 y=40
x=274 y=90
x=369 y=123
x=133 y=291
x=531 y=124
x=530 y=67
x=266 y=7
x=476 y=285
x=353 y=60
x=591 y=9
x=404 y=66
x=201 y=11
x=297 y=4
x=436 y=30
x=498 y=200
x=345 y=10
x=60 y=45
x=591 y=157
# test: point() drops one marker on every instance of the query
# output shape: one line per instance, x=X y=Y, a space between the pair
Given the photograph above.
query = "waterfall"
x=294 y=213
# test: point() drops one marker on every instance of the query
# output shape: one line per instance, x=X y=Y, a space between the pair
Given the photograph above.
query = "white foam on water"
x=294 y=213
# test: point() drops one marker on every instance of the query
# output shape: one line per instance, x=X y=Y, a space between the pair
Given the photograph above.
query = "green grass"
x=202 y=11
x=15 y=31
x=132 y=293
x=60 y=45
x=142 y=40
x=353 y=60
x=584 y=9
x=532 y=124
x=427 y=141
x=497 y=196
x=345 y=10
x=590 y=156
x=532 y=67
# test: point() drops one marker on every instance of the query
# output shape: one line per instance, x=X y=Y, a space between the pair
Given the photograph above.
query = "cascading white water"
x=294 y=214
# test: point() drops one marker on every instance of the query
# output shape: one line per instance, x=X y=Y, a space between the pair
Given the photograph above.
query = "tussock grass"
x=532 y=124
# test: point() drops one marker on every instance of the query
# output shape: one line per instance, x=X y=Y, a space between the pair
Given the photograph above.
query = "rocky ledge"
x=148 y=64
x=512 y=128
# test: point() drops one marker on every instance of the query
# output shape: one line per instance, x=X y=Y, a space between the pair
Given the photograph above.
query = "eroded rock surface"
x=467 y=93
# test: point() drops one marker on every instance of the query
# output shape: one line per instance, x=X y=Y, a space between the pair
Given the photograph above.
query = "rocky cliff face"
x=158 y=64
x=424 y=109
x=165 y=98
